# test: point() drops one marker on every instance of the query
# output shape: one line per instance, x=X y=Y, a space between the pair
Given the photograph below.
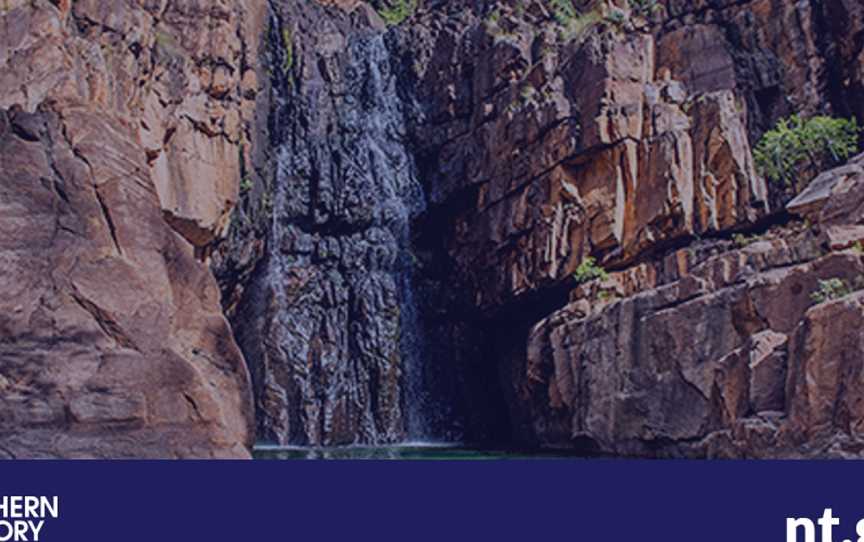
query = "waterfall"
x=342 y=342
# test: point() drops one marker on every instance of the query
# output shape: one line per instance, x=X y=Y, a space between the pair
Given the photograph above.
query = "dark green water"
x=418 y=452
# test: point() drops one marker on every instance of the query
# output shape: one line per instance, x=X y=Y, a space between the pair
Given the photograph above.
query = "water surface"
x=416 y=452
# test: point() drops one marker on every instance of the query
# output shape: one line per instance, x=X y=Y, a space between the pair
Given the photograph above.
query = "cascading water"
x=342 y=347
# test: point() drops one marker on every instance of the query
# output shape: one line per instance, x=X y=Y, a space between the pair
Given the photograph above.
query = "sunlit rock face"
x=121 y=129
x=717 y=350
x=177 y=82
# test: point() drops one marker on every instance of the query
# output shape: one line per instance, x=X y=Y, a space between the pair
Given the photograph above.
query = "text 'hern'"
x=24 y=516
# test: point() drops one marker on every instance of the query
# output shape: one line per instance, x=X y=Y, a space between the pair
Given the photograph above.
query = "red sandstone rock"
x=579 y=150
x=695 y=365
x=119 y=117
x=112 y=338
x=172 y=72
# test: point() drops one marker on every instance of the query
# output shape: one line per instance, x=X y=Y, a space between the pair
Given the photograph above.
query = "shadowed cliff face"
x=337 y=336
x=341 y=324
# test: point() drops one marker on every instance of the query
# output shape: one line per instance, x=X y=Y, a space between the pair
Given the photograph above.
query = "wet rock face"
x=332 y=303
x=538 y=144
x=121 y=129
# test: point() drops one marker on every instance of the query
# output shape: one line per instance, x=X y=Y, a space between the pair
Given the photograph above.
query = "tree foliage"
x=796 y=144
x=830 y=290
x=563 y=11
x=588 y=270
x=395 y=11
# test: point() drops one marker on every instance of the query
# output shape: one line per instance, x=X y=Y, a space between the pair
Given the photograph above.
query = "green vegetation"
x=245 y=185
x=605 y=295
x=795 y=145
x=563 y=11
x=577 y=27
x=588 y=271
x=167 y=47
x=572 y=23
x=396 y=11
x=569 y=22
x=742 y=240
x=527 y=93
x=288 y=45
x=831 y=289
x=493 y=17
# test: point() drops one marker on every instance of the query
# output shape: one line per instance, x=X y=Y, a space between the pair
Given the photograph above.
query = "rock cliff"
x=628 y=139
x=122 y=128
x=391 y=202
x=717 y=349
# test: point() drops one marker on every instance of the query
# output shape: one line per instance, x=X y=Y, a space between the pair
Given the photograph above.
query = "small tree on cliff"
x=395 y=11
x=796 y=147
x=588 y=270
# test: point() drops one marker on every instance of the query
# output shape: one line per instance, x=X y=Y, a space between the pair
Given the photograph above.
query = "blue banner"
x=372 y=500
